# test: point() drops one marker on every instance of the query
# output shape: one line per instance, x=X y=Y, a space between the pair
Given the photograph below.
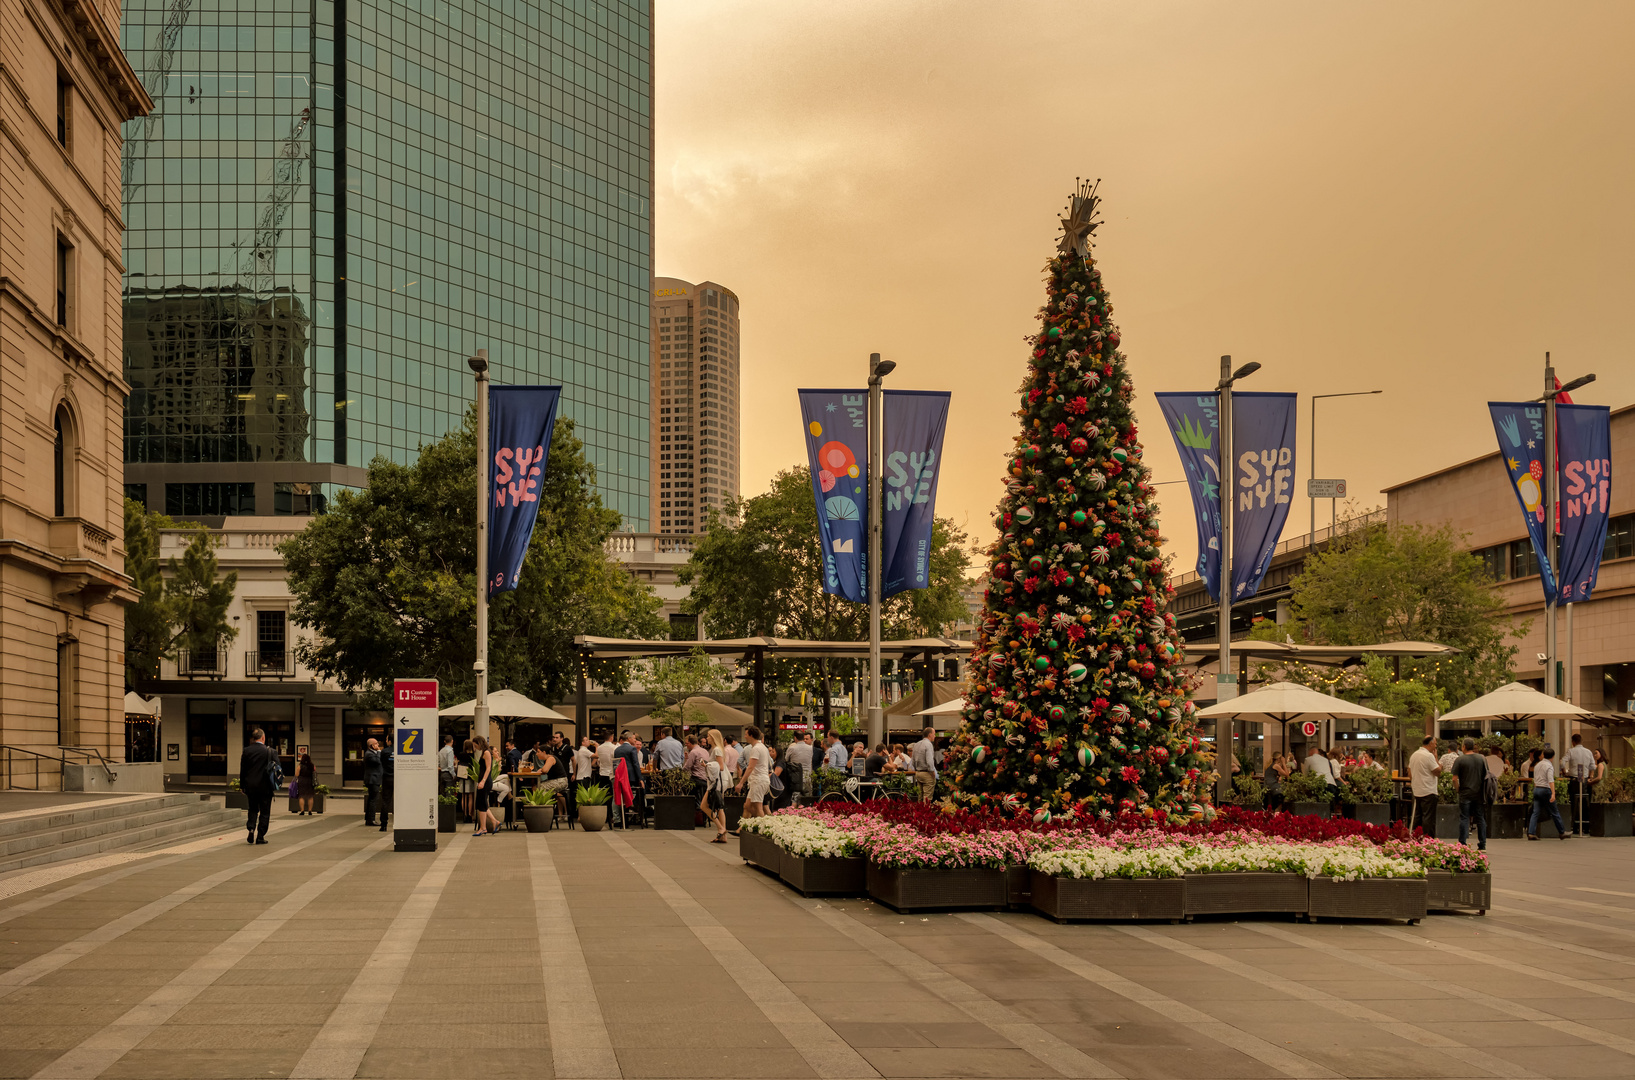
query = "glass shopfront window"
x=277 y=719
x=357 y=728
x=207 y=739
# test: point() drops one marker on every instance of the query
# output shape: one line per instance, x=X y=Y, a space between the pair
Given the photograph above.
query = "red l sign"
x=414 y=693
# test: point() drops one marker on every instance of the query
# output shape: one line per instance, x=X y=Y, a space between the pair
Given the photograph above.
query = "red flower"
x=1030 y=584
x=1060 y=431
x=1034 y=395
x=1078 y=406
x=1057 y=576
x=1075 y=632
x=1130 y=774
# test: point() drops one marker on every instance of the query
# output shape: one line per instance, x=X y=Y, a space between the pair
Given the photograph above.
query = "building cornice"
x=101 y=45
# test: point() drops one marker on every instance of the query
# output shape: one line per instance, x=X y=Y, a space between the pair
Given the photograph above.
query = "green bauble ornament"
x=978 y=754
x=1031 y=451
x=1120 y=455
x=1054 y=333
x=1057 y=713
x=1079 y=517
x=1087 y=757
x=1067 y=582
x=1024 y=515
x=1051 y=644
x=1077 y=673
x=1041 y=663
x=1108 y=603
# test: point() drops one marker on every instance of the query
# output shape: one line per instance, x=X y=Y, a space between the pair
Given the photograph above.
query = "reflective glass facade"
x=335 y=204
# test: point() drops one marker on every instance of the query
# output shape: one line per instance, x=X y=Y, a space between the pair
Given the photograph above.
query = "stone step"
x=197 y=817
x=103 y=809
x=137 y=817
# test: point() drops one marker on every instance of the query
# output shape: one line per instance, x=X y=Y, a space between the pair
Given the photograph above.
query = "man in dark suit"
x=388 y=766
x=256 y=785
x=374 y=776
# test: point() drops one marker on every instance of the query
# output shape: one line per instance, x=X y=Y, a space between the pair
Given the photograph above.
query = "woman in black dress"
x=306 y=780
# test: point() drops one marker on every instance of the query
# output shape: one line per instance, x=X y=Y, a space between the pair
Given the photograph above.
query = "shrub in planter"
x=1610 y=812
x=236 y=799
x=1366 y=794
x=1307 y=794
x=538 y=808
x=592 y=800
x=1248 y=792
x=448 y=802
x=674 y=806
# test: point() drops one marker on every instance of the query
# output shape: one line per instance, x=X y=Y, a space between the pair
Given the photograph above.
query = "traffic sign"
x=1325 y=489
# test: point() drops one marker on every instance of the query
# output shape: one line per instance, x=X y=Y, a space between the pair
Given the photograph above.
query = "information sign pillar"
x=414 y=738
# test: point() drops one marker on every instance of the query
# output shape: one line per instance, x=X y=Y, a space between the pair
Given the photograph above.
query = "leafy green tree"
x=387 y=579
x=674 y=679
x=147 y=622
x=187 y=612
x=757 y=570
x=197 y=597
x=1409 y=582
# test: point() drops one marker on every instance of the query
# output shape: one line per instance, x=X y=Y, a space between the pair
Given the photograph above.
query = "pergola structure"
x=753 y=652
x=1201 y=652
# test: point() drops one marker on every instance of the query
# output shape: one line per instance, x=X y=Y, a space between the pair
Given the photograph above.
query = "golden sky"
x=1419 y=198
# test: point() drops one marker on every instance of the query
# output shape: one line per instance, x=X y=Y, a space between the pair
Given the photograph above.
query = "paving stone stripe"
x=1351 y=1010
x=95 y=1055
x=1492 y=927
x=581 y=1048
x=24 y=974
x=1275 y=1057
x=1055 y=1053
x=824 y=1051
x=1508 y=964
x=338 y=1049
x=1501 y=1006
x=1560 y=920
x=1582 y=905
x=29 y=880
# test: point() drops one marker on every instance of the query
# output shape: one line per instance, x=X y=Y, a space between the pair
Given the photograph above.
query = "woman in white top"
x=716 y=779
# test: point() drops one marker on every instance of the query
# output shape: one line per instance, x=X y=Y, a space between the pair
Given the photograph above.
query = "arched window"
x=57 y=467
x=62 y=464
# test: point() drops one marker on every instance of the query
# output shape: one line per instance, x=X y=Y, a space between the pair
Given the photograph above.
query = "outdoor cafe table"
x=516 y=792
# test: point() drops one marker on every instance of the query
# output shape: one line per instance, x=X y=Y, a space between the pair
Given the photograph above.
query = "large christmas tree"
x=1076 y=703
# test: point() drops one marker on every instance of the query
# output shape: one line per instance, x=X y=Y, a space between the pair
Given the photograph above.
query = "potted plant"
x=1306 y=794
x=538 y=808
x=1366 y=795
x=448 y=805
x=592 y=800
x=1446 y=826
x=318 y=793
x=1614 y=800
x=674 y=804
x=236 y=799
x=1248 y=791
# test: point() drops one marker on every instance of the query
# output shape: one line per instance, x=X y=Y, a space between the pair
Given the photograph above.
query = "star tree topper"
x=1080 y=221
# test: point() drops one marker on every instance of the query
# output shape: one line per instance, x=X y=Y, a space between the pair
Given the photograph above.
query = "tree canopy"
x=187 y=612
x=1408 y=582
x=388 y=579
x=757 y=570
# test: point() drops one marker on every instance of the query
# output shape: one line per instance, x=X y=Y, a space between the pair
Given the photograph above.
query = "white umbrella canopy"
x=137 y=705
x=1517 y=701
x=1286 y=701
x=953 y=705
x=508 y=704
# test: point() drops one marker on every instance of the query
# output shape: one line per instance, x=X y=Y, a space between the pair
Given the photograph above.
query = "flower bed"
x=814 y=858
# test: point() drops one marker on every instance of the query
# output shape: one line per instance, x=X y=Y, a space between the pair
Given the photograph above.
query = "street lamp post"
x=1226 y=682
x=878 y=370
x=479 y=719
x=1552 y=391
x=1311 y=537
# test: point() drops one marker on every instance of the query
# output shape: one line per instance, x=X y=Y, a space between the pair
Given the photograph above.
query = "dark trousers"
x=1473 y=808
x=1425 y=813
x=385 y=804
x=371 y=802
x=1578 y=804
x=260 y=812
x=1545 y=807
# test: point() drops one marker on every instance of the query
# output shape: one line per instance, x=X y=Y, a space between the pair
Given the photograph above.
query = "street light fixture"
x=878 y=370
x=1226 y=682
x=1311 y=536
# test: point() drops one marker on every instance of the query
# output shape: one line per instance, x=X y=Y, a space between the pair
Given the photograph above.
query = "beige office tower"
x=695 y=402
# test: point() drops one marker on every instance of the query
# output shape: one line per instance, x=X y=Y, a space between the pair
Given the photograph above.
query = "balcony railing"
x=202 y=663
x=269 y=665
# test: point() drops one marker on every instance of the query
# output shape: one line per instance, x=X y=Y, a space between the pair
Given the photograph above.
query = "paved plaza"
x=654 y=954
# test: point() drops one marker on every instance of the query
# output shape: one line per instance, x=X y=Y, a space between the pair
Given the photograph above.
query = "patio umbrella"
x=506 y=707
x=944 y=717
x=1285 y=702
x=1515 y=703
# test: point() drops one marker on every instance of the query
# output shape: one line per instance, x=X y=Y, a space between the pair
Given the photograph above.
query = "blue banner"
x=1584 y=450
x=1262 y=482
x=836 y=423
x=520 y=421
x=1520 y=428
x=915 y=421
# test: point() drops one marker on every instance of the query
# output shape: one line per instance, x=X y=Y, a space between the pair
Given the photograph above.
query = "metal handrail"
x=7 y=772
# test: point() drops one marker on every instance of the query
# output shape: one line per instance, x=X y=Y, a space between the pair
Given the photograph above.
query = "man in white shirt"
x=584 y=759
x=604 y=759
x=1578 y=765
x=799 y=755
x=923 y=756
x=1544 y=796
x=757 y=773
x=1423 y=769
x=836 y=755
x=668 y=753
x=448 y=768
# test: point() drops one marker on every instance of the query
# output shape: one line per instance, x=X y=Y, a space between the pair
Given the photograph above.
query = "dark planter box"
x=1610 y=819
x=1447 y=891
x=734 y=805
x=1366 y=898
x=237 y=800
x=1018 y=885
x=937 y=890
x=674 y=811
x=1370 y=813
x=1447 y=821
x=317 y=803
x=1507 y=821
x=1242 y=893
x=538 y=818
x=817 y=875
x=446 y=814
x=760 y=851
x=1064 y=898
x=1311 y=809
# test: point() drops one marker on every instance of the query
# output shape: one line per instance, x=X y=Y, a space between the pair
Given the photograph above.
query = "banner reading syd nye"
x=1584 y=453
x=520 y=422
x=1263 y=446
x=915 y=422
x=1520 y=428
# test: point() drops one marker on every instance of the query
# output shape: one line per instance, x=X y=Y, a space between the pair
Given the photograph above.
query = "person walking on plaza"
x=482 y=817
x=718 y=780
x=1422 y=773
x=306 y=783
x=1579 y=766
x=374 y=776
x=258 y=775
x=1544 y=796
x=388 y=777
x=757 y=773
x=1470 y=769
x=923 y=758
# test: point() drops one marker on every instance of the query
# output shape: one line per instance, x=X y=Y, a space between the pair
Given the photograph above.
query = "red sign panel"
x=414 y=693
x=1308 y=729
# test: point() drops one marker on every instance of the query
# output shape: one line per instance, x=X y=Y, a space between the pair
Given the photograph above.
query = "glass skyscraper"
x=334 y=204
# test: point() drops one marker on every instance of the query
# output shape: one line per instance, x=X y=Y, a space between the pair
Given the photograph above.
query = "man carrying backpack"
x=259 y=775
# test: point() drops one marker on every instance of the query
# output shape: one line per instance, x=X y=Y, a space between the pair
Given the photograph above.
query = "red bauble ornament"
x=1079 y=447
